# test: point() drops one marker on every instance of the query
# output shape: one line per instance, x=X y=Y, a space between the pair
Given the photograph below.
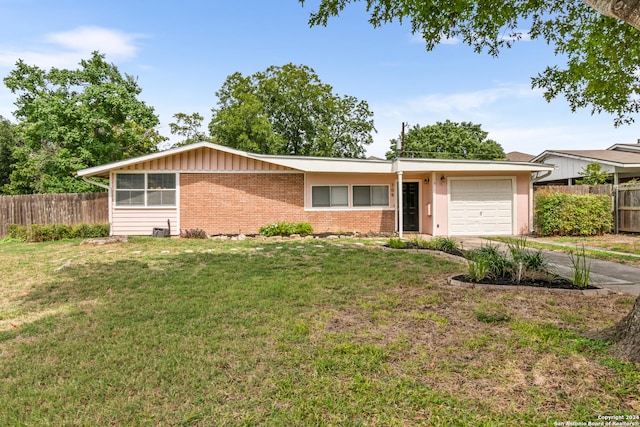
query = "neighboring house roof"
x=326 y=164
x=612 y=157
x=517 y=156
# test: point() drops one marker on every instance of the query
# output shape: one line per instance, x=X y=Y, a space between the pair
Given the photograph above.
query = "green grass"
x=198 y=332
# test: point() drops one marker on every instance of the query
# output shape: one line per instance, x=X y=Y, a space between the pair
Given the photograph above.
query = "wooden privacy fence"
x=70 y=209
x=629 y=208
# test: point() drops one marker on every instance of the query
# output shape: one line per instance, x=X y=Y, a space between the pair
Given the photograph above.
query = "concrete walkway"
x=604 y=274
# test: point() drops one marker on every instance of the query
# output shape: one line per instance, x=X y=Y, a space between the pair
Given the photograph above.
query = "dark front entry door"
x=410 y=207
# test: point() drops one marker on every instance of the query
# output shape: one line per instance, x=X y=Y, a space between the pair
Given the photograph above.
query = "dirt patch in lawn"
x=504 y=348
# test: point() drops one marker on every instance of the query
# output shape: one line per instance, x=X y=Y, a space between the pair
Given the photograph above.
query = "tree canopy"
x=448 y=140
x=602 y=53
x=73 y=119
x=188 y=126
x=8 y=144
x=288 y=110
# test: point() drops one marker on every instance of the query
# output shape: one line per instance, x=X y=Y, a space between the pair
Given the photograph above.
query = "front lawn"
x=314 y=332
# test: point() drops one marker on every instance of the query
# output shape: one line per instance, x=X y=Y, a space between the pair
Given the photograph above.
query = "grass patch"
x=201 y=332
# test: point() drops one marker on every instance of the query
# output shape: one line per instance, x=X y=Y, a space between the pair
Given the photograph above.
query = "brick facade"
x=234 y=203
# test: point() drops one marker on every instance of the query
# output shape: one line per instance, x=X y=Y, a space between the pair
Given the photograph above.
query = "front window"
x=329 y=196
x=140 y=189
x=370 y=195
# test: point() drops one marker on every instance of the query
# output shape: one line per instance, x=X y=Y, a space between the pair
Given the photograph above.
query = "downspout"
x=400 y=221
x=531 y=182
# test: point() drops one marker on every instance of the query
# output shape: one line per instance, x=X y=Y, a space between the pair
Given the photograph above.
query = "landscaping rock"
x=105 y=240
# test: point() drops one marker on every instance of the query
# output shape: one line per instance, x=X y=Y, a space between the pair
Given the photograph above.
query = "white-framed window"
x=344 y=196
x=370 y=195
x=324 y=196
x=145 y=189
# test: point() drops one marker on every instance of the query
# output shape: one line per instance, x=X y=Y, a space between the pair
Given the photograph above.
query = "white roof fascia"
x=447 y=165
x=327 y=164
x=625 y=147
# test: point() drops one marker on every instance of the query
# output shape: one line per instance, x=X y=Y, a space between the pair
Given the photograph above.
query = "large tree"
x=187 y=126
x=8 y=144
x=288 y=110
x=602 y=53
x=73 y=119
x=447 y=140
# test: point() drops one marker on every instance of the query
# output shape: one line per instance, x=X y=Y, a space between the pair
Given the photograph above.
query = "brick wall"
x=242 y=203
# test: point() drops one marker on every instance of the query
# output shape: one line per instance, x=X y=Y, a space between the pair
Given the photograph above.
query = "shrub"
x=193 y=233
x=498 y=263
x=17 y=232
x=478 y=269
x=397 y=243
x=444 y=244
x=50 y=232
x=573 y=214
x=284 y=228
x=303 y=228
x=521 y=255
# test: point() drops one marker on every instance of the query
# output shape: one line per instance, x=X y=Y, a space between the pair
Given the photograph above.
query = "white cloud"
x=65 y=49
x=466 y=103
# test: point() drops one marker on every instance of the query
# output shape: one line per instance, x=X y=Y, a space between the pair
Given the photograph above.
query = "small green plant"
x=498 y=263
x=478 y=269
x=193 y=233
x=397 y=243
x=420 y=243
x=445 y=244
x=492 y=313
x=581 y=267
x=284 y=228
x=303 y=228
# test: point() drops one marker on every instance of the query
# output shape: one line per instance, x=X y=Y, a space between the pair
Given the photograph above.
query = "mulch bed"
x=555 y=283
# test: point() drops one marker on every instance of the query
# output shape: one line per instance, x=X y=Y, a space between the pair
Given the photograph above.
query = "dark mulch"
x=554 y=283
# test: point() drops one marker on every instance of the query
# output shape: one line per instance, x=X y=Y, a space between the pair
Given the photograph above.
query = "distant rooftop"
x=517 y=156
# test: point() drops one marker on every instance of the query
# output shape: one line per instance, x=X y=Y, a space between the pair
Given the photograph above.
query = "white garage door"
x=480 y=207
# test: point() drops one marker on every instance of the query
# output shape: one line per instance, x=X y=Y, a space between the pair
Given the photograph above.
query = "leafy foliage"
x=187 y=126
x=284 y=228
x=8 y=144
x=448 y=140
x=580 y=267
x=572 y=214
x=73 y=119
x=593 y=175
x=288 y=110
x=397 y=243
x=601 y=53
x=193 y=233
x=51 y=232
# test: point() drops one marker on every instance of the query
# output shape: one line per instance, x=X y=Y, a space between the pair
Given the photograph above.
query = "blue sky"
x=181 y=53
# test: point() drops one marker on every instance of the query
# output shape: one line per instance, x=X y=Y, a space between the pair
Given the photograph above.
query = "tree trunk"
x=625 y=336
x=626 y=10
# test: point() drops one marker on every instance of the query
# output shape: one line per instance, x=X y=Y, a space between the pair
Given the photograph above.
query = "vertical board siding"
x=141 y=222
x=206 y=159
x=70 y=209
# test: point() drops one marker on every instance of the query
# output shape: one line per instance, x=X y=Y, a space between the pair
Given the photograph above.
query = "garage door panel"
x=481 y=207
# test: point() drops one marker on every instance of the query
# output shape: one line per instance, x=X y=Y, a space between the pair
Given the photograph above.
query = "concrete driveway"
x=604 y=274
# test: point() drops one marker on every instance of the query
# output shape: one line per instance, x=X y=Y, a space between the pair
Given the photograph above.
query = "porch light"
x=426 y=181
x=443 y=179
